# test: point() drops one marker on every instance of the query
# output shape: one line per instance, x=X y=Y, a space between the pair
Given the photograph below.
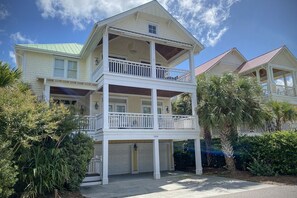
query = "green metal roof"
x=65 y=48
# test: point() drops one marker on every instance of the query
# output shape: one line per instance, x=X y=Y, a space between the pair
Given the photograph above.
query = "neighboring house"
x=275 y=71
x=229 y=61
x=122 y=80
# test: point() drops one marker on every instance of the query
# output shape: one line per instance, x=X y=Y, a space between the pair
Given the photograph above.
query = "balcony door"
x=117 y=105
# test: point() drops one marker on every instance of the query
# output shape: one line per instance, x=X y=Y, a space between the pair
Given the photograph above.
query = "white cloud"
x=12 y=56
x=3 y=12
x=204 y=19
x=19 y=38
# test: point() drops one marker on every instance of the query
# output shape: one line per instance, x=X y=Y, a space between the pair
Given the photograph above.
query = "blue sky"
x=253 y=26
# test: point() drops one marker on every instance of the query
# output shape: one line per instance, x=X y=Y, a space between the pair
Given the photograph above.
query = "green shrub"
x=260 y=168
x=276 y=149
x=78 y=152
x=8 y=171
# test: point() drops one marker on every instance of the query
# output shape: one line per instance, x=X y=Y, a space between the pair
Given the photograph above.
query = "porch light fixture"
x=135 y=147
x=96 y=106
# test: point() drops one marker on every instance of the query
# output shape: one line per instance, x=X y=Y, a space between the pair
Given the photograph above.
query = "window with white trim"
x=72 y=69
x=59 y=68
x=65 y=68
x=152 y=29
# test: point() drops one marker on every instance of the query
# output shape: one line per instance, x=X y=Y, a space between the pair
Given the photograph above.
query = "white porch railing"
x=91 y=123
x=95 y=166
x=176 y=122
x=283 y=90
x=173 y=74
x=97 y=71
x=125 y=67
x=130 y=120
x=129 y=68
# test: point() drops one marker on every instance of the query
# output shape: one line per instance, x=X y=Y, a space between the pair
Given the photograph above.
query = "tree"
x=8 y=76
x=182 y=105
x=226 y=102
x=282 y=112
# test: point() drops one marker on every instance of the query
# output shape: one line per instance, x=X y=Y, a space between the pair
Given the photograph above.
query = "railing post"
x=153 y=58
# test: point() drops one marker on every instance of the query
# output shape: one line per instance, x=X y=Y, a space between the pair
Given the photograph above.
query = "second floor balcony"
x=147 y=58
x=133 y=121
x=143 y=70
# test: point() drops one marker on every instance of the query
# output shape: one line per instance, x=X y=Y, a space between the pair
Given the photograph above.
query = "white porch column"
x=153 y=58
x=105 y=51
x=194 y=102
x=192 y=66
x=156 y=159
x=46 y=93
x=155 y=108
x=258 y=76
x=269 y=79
x=105 y=105
x=104 y=161
x=198 y=156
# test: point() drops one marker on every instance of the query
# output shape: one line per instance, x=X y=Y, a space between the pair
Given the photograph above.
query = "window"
x=69 y=72
x=72 y=69
x=146 y=107
x=152 y=29
x=117 y=105
x=59 y=68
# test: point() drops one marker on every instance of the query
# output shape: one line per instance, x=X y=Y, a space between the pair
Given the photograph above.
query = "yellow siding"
x=134 y=102
x=41 y=65
x=37 y=65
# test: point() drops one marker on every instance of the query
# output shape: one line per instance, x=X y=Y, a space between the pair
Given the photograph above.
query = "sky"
x=254 y=27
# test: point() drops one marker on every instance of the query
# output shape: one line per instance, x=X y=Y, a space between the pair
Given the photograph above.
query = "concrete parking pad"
x=170 y=185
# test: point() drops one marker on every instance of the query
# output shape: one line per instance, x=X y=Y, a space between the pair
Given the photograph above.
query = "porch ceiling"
x=68 y=91
x=166 y=51
x=140 y=91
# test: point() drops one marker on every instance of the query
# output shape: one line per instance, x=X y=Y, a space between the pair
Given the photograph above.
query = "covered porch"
x=277 y=82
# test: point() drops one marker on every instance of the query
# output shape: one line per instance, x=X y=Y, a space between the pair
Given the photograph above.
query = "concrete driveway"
x=180 y=185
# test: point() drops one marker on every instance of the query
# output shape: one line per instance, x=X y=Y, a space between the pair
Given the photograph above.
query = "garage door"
x=119 y=161
x=145 y=153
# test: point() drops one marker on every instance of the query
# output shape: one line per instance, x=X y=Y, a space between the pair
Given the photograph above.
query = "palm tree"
x=281 y=113
x=226 y=102
x=183 y=106
x=8 y=76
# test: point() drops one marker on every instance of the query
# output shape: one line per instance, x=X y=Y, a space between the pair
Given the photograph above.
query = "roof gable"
x=260 y=60
x=213 y=62
x=151 y=8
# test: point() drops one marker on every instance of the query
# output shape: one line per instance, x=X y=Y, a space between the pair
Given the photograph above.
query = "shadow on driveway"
x=171 y=184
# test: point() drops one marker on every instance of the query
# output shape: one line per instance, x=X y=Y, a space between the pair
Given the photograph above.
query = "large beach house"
x=121 y=81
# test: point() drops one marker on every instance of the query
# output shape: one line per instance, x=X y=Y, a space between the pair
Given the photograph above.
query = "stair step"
x=90 y=183
x=91 y=178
